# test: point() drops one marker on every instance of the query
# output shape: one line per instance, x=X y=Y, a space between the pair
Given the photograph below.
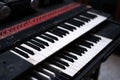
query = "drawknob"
x=4 y=11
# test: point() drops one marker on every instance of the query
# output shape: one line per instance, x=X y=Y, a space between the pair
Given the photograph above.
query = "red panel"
x=36 y=20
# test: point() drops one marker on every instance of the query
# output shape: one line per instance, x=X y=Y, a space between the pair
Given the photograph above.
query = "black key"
x=21 y=53
x=40 y=41
x=57 y=64
x=75 y=49
x=57 y=59
x=33 y=46
x=91 y=16
x=91 y=38
x=60 y=62
x=56 y=33
x=65 y=57
x=59 y=31
x=79 y=22
x=52 y=37
x=82 y=48
x=45 y=72
x=75 y=22
x=46 y=38
x=26 y=50
x=70 y=55
x=63 y=30
x=84 y=43
x=37 y=44
x=47 y=66
x=82 y=18
x=77 y=52
x=68 y=27
x=79 y=47
x=96 y=37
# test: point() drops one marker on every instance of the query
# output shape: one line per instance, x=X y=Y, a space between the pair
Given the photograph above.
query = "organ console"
x=63 y=42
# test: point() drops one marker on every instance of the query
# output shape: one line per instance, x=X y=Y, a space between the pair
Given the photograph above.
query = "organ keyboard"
x=63 y=35
x=55 y=45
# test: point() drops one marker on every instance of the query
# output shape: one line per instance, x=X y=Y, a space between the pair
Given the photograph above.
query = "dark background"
x=109 y=6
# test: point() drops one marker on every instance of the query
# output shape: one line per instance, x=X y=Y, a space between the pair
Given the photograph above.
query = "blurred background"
x=110 y=6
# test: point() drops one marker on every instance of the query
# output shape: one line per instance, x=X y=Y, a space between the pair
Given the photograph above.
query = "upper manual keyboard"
x=43 y=45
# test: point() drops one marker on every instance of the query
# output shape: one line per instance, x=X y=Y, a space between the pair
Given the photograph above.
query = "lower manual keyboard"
x=67 y=62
